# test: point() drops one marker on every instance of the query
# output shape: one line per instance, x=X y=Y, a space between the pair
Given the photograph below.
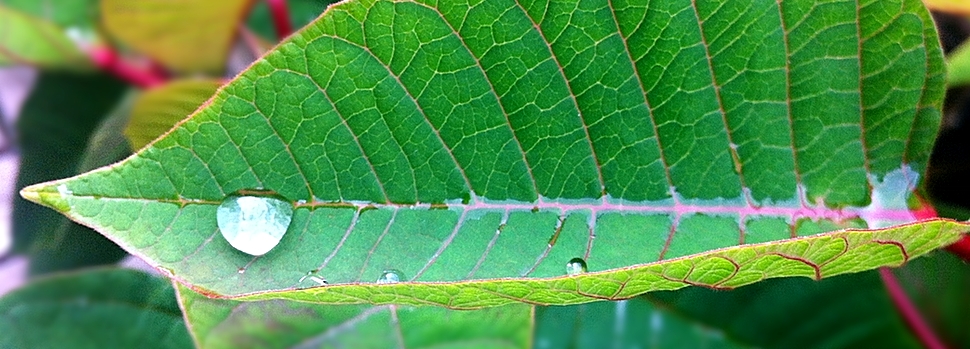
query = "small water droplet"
x=313 y=276
x=575 y=266
x=253 y=223
x=390 y=276
x=62 y=189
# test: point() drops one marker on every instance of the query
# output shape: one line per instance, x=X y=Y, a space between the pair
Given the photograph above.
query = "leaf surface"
x=478 y=148
x=107 y=308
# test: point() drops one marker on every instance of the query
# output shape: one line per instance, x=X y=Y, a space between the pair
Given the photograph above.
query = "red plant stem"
x=281 y=17
x=908 y=311
x=108 y=60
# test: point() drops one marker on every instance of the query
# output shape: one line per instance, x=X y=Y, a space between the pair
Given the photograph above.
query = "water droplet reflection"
x=390 y=276
x=253 y=223
x=575 y=266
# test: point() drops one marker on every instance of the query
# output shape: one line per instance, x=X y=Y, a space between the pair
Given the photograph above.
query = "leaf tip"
x=48 y=195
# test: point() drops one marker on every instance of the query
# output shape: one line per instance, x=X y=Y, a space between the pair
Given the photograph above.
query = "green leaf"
x=107 y=308
x=634 y=323
x=477 y=149
x=159 y=108
x=56 y=126
x=78 y=14
x=29 y=40
x=186 y=36
x=217 y=323
x=851 y=311
x=937 y=284
x=71 y=245
x=958 y=66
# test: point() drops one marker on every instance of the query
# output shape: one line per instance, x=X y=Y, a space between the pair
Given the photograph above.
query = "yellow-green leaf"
x=186 y=36
x=158 y=109
x=29 y=40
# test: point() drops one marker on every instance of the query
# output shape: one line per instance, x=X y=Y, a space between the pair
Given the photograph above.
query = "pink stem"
x=281 y=17
x=909 y=312
x=108 y=60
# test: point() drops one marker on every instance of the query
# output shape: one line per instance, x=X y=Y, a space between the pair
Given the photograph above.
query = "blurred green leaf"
x=634 y=323
x=477 y=149
x=80 y=14
x=29 y=40
x=851 y=311
x=103 y=309
x=55 y=128
x=216 y=323
x=73 y=245
x=958 y=66
x=187 y=36
x=938 y=284
x=159 y=108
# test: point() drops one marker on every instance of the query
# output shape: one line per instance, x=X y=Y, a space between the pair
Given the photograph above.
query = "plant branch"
x=108 y=60
x=908 y=311
x=281 y=17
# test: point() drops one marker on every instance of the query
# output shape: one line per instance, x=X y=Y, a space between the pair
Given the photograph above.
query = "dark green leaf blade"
x=937 y=284
x=477 y=149
x=634 y=323
x=107 y=308
x=852 y=311
x=56 y=127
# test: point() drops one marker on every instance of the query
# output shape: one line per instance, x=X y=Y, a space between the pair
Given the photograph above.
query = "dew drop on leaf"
x=390 y=276
x=253 y=223
x=575 y=266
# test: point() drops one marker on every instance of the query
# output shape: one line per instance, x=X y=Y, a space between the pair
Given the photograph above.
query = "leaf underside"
x=477 y=148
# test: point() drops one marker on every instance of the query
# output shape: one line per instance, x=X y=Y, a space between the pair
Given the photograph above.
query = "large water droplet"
x=390 y=276
x=253 y=223
x=575 y=266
